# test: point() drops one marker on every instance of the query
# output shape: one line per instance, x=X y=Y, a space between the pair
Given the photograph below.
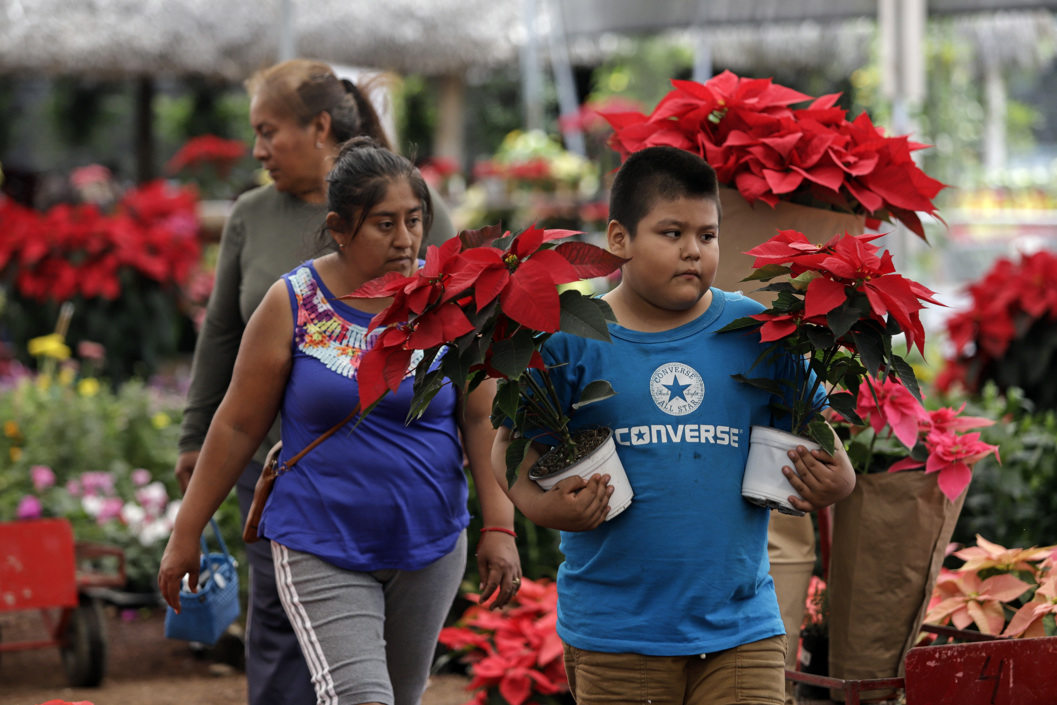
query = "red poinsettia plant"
x=207 y=151
x=757 y=143
x=1006 y=334
x=514 y=654
x=901 y=434
x=481 y=307
x=838 y=306
x=73 y=250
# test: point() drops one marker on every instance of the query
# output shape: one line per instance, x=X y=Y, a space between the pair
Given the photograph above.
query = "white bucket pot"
x=603 y=460
x=763 y=483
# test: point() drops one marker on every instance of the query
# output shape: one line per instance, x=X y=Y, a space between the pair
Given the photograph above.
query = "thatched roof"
x=999 y=39
x=232 y=38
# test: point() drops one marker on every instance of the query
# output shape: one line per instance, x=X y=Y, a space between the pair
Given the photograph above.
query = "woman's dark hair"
x=306 y=88
x=659 y=173
x=360 y=177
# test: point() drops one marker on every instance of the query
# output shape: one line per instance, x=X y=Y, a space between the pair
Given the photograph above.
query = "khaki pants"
x=791 y=549
x=751 y=674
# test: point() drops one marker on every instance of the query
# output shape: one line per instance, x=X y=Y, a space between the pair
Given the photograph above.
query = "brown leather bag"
x=266 y=481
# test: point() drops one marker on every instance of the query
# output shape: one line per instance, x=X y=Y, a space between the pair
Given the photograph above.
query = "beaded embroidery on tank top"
x=322 y=333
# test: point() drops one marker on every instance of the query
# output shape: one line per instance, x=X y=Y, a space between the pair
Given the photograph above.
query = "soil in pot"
x=561 y=457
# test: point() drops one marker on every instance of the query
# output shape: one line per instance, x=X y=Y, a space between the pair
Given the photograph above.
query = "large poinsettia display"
x=838 y=305
x=482 y=306
x=769 y=151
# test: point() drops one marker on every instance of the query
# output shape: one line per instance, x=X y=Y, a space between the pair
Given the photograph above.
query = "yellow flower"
x=66 y=376
x=11 y=428
x=88 y=387
x=161 y=420
x=50 y=345
x=15 y=453
x=43 y=381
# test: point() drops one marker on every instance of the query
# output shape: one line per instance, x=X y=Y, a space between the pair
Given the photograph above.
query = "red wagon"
x=42 y=568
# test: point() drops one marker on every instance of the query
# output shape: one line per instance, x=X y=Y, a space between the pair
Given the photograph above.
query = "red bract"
x=485 y=286
x=76 y=250
x=516 y=652
x=211 y=150
x=746 y=129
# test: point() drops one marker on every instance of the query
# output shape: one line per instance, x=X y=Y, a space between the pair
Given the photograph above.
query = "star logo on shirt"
x=677 y=388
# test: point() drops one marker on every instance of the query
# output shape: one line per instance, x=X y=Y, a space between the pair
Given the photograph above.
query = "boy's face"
x=674 y=254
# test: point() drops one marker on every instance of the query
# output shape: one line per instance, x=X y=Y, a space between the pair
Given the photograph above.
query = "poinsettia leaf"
x=531 y=299
x=481 y=236
x=768 y=385
x=507 y=399
x=767 y=271
x=821 y=338
x=906 y=375
x=431 y=387
x=740 y=324
x=841 y=320
x=515 y=455
x=589 y=260
x=870 y=347
x=380 y=288
x=846 y=404
x=595 y=391
x=585 y=316
x=511 y=357
x=422 y=369
x=820 y=432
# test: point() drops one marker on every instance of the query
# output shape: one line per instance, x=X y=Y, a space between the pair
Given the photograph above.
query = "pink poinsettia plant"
x=1008 y=592
x=481 y=307
x=838 y=307
x=899 y=433
x=769 y=151
x=514 y=654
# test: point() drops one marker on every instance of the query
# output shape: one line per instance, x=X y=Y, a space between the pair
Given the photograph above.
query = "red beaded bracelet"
x=500 y=529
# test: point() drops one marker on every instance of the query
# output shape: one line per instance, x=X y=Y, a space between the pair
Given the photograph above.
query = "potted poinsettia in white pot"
x=482 y=307
x=838 y=307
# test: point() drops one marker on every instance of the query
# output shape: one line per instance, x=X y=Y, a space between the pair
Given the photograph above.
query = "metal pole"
x=563 y=77
x=287 y=31
x=531 y=81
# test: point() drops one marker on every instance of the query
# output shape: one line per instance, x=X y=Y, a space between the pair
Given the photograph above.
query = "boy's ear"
x=617 y=238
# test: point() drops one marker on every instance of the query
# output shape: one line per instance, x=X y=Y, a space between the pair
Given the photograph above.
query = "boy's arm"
x=574 y=504
x=820 y=478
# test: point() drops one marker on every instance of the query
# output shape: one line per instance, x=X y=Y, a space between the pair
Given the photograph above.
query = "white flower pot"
x=603 y=460
x=763 y=483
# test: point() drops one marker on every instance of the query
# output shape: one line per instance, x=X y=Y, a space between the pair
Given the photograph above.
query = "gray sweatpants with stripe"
x=367 y=637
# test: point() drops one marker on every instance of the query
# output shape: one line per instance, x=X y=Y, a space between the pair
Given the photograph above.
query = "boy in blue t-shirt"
x=671 y=602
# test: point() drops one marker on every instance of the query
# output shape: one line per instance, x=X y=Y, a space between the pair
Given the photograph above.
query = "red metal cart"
x=42 y=568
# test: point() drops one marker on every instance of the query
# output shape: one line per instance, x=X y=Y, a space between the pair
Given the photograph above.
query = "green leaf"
x=595 y=391
x=506 y=399
x=845 y=404
x=515 y=455
x=768 y=385
x=906 y=375
x=870 y=346
x=512 y=356
x=422 y=398
x=740 y=324
x=820 y=432
x=585 y=316
x=768 y=271
x=841 y=319
x=821 y=338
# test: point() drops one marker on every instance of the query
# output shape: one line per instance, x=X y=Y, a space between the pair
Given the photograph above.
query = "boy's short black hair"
x=657 y=173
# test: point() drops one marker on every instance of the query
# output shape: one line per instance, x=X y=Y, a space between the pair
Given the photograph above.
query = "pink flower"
x=29 y=507
x=97 y=483
x=87 y=350
x=894 y=406
x=74 y=488
x=110 y=508
x=153 y=498
x=140 y=477
x=42 y=477
x=952 y=456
